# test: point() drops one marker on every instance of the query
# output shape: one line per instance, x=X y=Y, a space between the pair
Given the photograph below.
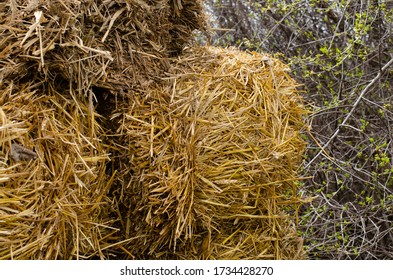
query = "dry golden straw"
x=119 y=45
x=117 y=142
x=53 y=202
x=56 y=59
x=214 y=156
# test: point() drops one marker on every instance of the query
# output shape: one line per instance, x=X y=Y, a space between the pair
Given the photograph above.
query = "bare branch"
x=364 y=91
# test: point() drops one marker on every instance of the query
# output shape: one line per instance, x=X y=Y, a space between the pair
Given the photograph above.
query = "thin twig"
x=364 y=91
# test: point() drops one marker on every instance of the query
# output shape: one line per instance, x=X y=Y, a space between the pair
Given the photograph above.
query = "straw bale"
x=213 y=156
x=57 y=59
x=119 y=45
x=53 y=202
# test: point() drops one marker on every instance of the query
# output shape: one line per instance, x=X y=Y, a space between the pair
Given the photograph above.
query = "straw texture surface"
x=53 y=202
x=213 y=157
x=119 y=141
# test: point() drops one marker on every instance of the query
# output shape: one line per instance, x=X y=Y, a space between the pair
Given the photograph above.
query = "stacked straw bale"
x=198 y=161
x=57 y=60
x=213 y=156
x=119 y=45
x=53 y=202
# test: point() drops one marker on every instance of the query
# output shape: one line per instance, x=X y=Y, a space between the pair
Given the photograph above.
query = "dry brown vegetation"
x=213 y=156
x=119 y=142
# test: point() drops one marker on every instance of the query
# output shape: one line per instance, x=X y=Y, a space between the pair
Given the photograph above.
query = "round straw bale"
x=53 y=202
x=213 y=157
